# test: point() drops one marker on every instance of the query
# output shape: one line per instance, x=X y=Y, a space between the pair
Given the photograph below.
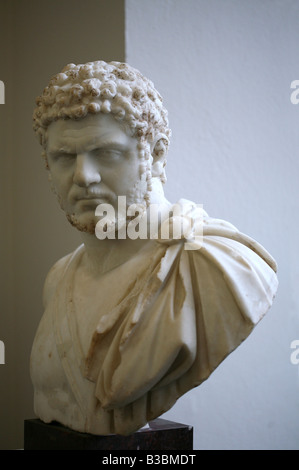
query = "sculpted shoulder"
x=53 y=278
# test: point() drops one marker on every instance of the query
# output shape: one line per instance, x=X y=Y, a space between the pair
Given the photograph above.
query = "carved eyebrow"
x=59 y=150
x=89 y=148
x=107 y=144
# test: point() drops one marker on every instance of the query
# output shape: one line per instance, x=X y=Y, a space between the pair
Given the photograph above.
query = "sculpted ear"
x=159 y=152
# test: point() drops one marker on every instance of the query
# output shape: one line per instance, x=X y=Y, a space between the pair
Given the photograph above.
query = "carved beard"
x=87 y=228
x=134 y=194
x=91 y=225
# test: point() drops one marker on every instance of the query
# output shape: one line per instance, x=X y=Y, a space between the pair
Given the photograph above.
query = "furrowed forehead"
x=99 y=130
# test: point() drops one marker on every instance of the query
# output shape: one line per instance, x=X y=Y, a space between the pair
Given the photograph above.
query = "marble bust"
x=130 y=324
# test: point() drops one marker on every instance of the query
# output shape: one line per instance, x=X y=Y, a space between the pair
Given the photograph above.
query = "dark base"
x=160 y=435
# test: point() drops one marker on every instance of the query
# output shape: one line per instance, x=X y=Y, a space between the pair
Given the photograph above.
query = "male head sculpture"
x=131 y=325
x=117 y=89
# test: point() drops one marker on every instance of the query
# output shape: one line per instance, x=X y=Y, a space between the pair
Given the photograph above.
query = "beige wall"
x=38 y=38
x=7 y=373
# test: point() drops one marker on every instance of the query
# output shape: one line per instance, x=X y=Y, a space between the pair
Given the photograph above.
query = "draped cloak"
x=189 y=307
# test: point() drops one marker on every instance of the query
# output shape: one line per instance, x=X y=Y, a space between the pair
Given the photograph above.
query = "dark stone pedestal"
x=160 y=435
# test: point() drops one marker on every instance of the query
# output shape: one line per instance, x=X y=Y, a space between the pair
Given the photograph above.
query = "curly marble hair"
x=112 y=87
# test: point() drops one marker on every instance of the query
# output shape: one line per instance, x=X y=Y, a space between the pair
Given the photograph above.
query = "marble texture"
x=130 y=325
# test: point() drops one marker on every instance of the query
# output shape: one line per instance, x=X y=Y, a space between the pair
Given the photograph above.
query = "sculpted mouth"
x=92 y=197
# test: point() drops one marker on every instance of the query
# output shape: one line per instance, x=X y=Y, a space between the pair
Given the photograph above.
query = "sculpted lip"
x=92 y=197
x=93 y=201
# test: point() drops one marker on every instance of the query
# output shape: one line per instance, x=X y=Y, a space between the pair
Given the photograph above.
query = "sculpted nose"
x=86 y=171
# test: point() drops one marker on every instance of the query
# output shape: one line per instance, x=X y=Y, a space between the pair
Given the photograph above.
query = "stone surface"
x=159 y=435
x=132 y=323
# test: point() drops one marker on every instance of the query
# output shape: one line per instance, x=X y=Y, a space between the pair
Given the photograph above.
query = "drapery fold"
x=184 y=315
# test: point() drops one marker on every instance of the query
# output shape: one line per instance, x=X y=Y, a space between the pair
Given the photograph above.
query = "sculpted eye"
x=109 y=154
x=63 y=157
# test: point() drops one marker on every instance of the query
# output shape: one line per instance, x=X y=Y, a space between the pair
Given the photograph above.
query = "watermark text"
x=295 y=354
x=2 y=93
x=150 y=459
x=2 y=353
x=295 y=94
x=135 y=221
